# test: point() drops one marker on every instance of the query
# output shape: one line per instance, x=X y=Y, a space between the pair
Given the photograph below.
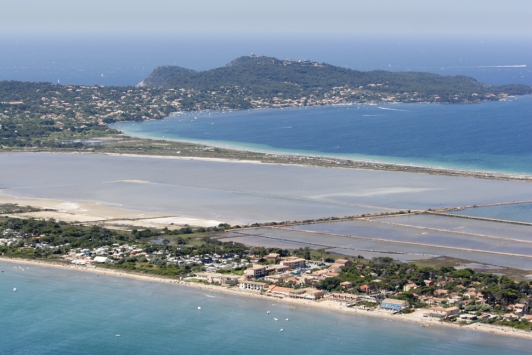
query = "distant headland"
x=52 y=116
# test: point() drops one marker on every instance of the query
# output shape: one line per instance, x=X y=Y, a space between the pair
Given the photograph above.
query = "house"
x=441 y=292
x=307 y=280
x=280 y=291
x=343 y=262
x=256 y=271
x=455 y=299
x=428 y=282
x=410 y=286
x=275 y=269
x=294 y=263
x=307 y=293
x=331 y=274
x=440 y=312
x=335 y=268
x=509 y=316
x=347 y=285
x=276 y=278
x=468 y=316
x=394 y=305
x=520 y=308
x=344 y=297
x=102 y=259
x=365 y=288
x=226 y=280
x=272 y=257
x=253 y=286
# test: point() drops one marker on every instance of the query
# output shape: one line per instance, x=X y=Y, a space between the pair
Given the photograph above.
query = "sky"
x=252 y=17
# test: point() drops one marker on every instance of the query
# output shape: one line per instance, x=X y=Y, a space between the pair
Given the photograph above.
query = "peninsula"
x=48 y=116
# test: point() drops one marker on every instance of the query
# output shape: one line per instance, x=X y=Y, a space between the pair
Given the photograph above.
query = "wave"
x=391 y=109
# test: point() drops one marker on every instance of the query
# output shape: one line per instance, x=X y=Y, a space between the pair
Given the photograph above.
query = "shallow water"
x=519 y=213
x=240 y=192
x=492 y=136
x=63 y=311
x=465 y=225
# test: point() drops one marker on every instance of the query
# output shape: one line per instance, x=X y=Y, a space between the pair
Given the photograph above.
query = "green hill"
x=267 y=76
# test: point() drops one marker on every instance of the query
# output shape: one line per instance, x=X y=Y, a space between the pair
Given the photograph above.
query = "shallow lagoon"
x=519 y=212
x=240 y=192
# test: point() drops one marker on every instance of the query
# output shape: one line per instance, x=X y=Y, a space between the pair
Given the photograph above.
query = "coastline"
x=415 y=317
x=362 y=161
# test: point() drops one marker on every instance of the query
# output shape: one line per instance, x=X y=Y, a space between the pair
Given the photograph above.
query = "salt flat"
x=239 y=192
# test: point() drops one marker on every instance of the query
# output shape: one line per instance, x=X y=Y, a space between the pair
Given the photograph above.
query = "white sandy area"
x=415 y=317
x=135 y=181
x=101 y=213
x=162 y=222
x=183 y=158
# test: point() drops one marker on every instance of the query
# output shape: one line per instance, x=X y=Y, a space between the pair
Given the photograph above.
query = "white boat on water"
x=15 y=289
x=281 y=330
x=275 y=319
x=268 y=312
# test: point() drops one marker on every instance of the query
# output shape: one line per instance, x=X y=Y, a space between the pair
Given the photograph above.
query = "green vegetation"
x=267 y=81
x=11 y=208
x=383 y=274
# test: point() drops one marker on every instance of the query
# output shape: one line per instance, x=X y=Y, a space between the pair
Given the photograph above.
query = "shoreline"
x=415 y=317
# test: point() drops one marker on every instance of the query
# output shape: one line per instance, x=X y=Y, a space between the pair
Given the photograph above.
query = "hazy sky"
x=361 y=17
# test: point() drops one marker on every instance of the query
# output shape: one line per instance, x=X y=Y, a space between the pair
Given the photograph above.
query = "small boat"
x=268 y=312
x=281 y=330
x=286 y=319
x=15 y=289
x=199 y=307
x=275 y=319
x=118 y=335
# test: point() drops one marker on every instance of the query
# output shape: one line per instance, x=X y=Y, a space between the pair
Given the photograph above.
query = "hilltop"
x=265 y=78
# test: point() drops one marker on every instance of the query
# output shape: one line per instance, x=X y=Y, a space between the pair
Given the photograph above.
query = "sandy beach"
x=415 y=317
x=103 y=214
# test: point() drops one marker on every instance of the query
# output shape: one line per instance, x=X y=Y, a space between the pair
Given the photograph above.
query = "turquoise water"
x=492 y=136
x=67 y=312
x=519 y=213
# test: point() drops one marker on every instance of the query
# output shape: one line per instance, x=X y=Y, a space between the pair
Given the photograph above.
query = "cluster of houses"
x=108 y=254
x=302 y=275
x=10 y=237
x=8 y=241
x=265 y=279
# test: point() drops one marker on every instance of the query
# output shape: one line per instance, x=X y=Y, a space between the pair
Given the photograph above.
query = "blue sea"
x=128 y=59
x=491 y=136
x=58 y=311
